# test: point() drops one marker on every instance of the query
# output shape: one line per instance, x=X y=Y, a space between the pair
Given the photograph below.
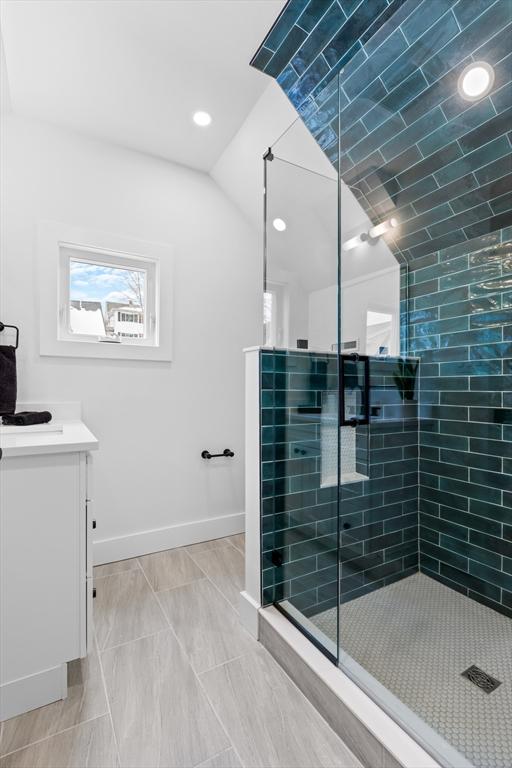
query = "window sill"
x=104 y=350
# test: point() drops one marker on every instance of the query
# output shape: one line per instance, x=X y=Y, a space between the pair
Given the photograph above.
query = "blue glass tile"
x=423 y=17
x=307 y=108
x=318 y=39
x=489 y=191
x=434 y=245
x=287 y=78
x=489 y=319
x=482 y=156
x=502 y=98
x=262 y=57
x=374 y=140
x=441 y=32
x=501 y=204
x=463 y=219
x=322 y=116
x=439 y=160
x=495 y=18
x=484 y=133
x=498 y=578
x=481 y=336
x=363 y=103
x=354 y=134
x=284 y=23
x=488 y=383
x=460 y=125
x=312 y=14
x=413 y=133
x=326 y=137
x=377 y=32
x=281 y=57
x=442 y=326
x=444 y=267
x=490 y=286
x=466 y=13
x=378 y=61
x=445 y=193
x=350 y=32
x=471 y=368
x=471 y=306
x=371 y=163
x=396 y=100
x=382 y=26
x=307 y=82
x=490 y=172
x=349 y=6
x=489 y=225
x=496 y=47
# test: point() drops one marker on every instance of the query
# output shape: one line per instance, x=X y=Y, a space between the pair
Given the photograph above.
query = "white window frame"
x=57 y=244
x=87 y=255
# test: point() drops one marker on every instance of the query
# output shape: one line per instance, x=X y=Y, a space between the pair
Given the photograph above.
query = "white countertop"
x=65 y=433
x=68 y=437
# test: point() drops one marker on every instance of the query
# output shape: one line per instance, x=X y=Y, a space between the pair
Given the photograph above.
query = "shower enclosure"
x=385 y=384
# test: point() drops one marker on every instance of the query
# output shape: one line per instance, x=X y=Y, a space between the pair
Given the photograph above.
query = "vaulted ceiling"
x=134 y=72
x=376 y=84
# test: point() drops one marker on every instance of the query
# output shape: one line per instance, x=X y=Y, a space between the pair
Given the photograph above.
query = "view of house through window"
x=106 y=301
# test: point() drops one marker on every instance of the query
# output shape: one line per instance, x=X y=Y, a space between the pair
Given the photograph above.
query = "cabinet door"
x=42 y=522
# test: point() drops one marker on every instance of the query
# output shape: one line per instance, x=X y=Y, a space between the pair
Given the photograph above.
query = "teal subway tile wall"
x=377 y=86
x=460 y=329
x=378 y=521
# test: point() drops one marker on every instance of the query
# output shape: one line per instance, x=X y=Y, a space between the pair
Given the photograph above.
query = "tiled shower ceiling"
x=411 y=146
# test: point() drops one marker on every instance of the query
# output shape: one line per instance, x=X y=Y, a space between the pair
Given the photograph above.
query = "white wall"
x=152 y=419
x=379 y=292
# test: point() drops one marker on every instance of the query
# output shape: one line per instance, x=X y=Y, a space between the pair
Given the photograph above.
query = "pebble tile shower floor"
x=175 y=681
x=416 y=637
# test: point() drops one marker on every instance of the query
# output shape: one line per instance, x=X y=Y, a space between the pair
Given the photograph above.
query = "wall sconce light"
x=372 y=235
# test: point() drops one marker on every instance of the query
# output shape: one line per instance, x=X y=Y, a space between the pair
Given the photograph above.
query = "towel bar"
x=14 y=327
x=226 y=452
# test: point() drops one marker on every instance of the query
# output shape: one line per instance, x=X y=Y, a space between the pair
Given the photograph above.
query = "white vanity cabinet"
x=46 y=589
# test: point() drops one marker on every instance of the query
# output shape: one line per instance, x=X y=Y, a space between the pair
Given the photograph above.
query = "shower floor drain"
x=481 y=679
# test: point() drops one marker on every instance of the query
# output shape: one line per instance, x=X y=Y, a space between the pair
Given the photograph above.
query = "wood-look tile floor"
x=174 y=681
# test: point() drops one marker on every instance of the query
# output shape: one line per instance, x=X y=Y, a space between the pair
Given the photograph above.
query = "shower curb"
x=374 y=737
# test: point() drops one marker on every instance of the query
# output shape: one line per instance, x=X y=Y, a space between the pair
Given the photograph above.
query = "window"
x=103 y=295
x=106 y=297
x=273 y=315
x=379 y=333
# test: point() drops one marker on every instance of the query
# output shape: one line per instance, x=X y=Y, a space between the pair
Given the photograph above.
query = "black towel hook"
x=15 y=328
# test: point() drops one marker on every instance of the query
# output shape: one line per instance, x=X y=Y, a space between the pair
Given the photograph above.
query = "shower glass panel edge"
x=299 y=388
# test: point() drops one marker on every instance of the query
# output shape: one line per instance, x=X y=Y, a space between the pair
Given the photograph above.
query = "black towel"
x=27 y=418
x=7 y=380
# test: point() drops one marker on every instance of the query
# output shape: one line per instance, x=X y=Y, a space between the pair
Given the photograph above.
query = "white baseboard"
x=26 y=693
x=158 y=539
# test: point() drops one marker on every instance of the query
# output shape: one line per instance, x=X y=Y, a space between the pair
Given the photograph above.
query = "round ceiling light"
x=476 y=80
x=279 y=224
x=202 y=118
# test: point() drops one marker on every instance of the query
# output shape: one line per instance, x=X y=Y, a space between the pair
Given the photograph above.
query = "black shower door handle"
x=354 y=374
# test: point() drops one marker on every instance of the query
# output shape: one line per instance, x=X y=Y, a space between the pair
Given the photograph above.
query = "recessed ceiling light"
x=202 y=118
x=476 y=80
x=279 y=224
